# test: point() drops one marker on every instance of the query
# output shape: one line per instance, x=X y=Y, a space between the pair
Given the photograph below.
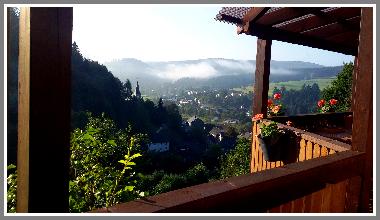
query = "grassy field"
x=296 y=85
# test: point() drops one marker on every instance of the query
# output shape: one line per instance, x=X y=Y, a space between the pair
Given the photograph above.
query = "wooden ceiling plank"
x=347 y=38
x=265 y=32
x=284 y=14
x=336 y=18
x=316 y=21
x=334 y=28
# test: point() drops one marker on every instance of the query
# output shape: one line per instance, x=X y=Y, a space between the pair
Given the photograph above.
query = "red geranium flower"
x=321 y=103
x=277 y=96
x=258 y=117
x=276 y=109
x=333 y=101
x=270 y=102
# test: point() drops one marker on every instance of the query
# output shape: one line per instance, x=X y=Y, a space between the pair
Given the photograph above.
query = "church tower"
x=138 y=93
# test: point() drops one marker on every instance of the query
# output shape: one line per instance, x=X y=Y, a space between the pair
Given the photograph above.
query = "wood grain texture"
x=326 y=199
x=23 y=112
x=50 y=94
x=261 y=87
x=252 y=192
x=362 y=132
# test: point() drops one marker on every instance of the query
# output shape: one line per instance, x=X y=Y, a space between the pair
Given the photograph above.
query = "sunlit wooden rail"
x=295 y=187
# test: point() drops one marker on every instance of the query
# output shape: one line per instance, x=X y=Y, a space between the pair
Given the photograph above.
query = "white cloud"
x=236 y=65
x=177 y=71
x=281 y=71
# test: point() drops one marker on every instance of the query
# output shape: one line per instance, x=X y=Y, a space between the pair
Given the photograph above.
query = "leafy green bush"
x=160 y=182
x=341 y=88
x=270 y=130
x=197 y=174
x=147 y=182
x=237 y=161
x=101 y=165
x=11 y=188
x=170 y=182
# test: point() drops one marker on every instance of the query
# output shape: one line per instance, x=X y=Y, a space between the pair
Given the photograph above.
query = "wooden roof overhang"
x=330 y=28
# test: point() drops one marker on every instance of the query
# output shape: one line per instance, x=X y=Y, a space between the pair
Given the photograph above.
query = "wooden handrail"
x=253 y=192
x=315 y=138
x=312 y=121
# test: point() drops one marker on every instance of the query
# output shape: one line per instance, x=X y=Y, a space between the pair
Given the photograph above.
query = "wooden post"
x=46 y=139
x=354 y=74
x=23 y=112
x=362 y=132
x=261 y=87
x=260 y=91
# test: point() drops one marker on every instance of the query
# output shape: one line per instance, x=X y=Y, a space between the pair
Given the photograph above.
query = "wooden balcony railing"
x=295 y=187
x=315 y=178
x=333 y=125
x=308 y=145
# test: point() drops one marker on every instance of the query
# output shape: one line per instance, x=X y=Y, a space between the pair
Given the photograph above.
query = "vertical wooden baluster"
x=324 y=151
x=278 y=163
x=302 y=155
x=253 y=149
x=309 y=150
x=317 y=151
x=260 y=157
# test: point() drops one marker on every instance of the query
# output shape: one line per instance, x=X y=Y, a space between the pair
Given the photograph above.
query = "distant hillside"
x=212 y=72
x=295 y=85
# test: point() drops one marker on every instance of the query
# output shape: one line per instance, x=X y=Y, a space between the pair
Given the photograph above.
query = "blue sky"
x=174 y=32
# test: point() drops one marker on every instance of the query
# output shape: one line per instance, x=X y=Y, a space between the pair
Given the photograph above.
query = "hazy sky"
x=174 y=32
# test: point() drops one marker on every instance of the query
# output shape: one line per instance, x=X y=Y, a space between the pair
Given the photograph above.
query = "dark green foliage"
x=126 y=92
x=211 y=158
x=11 y=188
x=101 y=165
x=160 y=181
x=341 y=89
x=94 y=88
x=237 y=161
x=302 y=101
x=169 y=182
x=147 y=182
x=197 y=174
x=270 y=130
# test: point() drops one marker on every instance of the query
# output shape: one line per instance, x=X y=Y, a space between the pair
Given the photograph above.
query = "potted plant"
x=269 y=138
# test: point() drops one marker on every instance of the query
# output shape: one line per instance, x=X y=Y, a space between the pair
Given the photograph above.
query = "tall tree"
x=341 y=88
x=126 y=91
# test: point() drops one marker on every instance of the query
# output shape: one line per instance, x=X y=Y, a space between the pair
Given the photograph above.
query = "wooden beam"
x=254 y=14
x=362 y=132
x=265 y=32
x=261 y=87
x=23 y=112
x=44 y=109
x=252 y=192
